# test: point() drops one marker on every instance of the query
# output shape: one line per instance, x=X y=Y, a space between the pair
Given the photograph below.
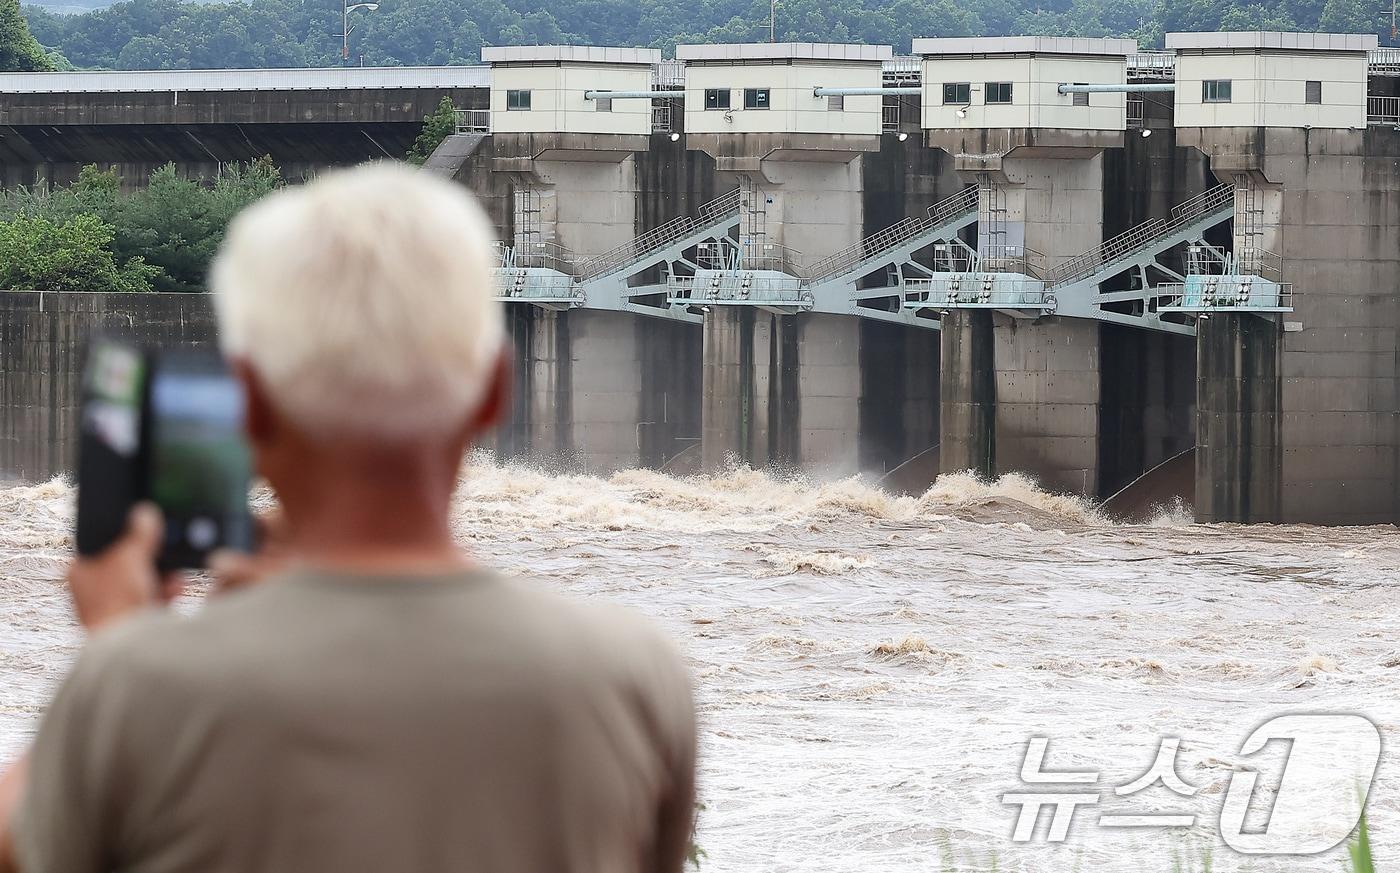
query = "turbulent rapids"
x=870 y=667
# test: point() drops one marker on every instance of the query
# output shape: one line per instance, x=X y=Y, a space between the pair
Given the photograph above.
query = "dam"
x=1066 y=258
x=1064 y=265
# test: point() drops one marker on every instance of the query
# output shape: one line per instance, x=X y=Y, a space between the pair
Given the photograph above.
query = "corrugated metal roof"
x=326 y=79
x=594 y=54
x=1047 y=45
x=825 y=51
x=1267 y=39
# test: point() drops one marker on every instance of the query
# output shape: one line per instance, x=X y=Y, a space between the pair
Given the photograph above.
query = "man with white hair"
x=381 y=703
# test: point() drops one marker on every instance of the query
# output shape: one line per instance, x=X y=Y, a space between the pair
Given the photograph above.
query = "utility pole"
x=773 y=20
x=346 y=7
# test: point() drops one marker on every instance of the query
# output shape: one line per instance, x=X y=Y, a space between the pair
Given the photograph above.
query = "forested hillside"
x=144 y=34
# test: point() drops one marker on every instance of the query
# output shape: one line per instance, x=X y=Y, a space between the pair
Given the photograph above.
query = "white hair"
x=364 y=302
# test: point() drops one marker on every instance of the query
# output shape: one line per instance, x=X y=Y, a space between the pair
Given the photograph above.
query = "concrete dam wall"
x=841 y=303
x=42 y=340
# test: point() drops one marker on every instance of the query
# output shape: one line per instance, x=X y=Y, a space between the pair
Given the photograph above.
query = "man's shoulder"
x=228 y=632
x=592 y=631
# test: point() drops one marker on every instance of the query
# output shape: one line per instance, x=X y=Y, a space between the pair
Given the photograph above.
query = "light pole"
x=345 y=28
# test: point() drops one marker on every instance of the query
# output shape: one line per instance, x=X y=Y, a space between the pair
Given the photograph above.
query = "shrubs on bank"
x=437 y=127
x=75 y=255
x=92 y=236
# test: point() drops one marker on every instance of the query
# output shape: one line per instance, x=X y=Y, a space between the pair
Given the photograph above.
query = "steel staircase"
x=651 y=248
x=1130 y=248
x=899 y=241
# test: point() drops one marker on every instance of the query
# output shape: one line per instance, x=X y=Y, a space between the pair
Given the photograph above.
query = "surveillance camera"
x=902 y=136
x=675 y=137
x=1146 y=133
x=962 y=113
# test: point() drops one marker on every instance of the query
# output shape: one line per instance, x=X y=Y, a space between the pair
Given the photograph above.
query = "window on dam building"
x=1215 y=91
x=517 y=100
x=1312 y=92
x=716 y=98
x=602 y=104
x=957 y=93
x=755 y=98
x=836 y=103
x=998 y=92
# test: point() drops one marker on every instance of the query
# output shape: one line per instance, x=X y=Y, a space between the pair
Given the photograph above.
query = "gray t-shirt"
x=332 y=724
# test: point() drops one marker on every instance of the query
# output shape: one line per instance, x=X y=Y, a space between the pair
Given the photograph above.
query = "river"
x=870 y=668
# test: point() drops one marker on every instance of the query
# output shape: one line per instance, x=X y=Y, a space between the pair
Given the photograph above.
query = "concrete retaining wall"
x=42 y=341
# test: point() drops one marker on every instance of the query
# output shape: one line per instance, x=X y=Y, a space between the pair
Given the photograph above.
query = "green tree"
x=39 y=254
x=19 y=50
x=171 y=34
x=1347 y=16
x=437 y=127
x=173 y=227
x=177 y=224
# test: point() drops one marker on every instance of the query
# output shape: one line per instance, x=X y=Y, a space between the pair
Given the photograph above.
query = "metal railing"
x=1260 y=262
x=521 y=286
x=723 y=206
x=473 y=120
x=1383 y=111
x=938 y=215
x=670 y=73
x=1143 y=235
x=546 y=255
x=1152 y=65
x=740 y=288
x=1384 y=62
x=956 y=292
x=1209 y=297
x=661 y=117
x=1137 y=112
x=1011 y=259
x=659 y=237
x=771 y=256
x=902 y=71
x=889 y=117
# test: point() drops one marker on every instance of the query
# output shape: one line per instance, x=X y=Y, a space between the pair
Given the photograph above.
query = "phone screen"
x=110 y=464
x=199 y=463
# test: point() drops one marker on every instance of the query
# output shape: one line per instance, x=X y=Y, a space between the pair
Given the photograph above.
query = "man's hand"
x=123 y=578
x=232 y=570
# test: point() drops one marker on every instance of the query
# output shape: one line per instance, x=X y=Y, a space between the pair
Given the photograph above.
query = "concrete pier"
x=967 y=422
x=1039 y=413
x=1238 y=452
x=750 y=407
x=829 y=394
x=601 y=391
x=1326 y=202
x=596 y=390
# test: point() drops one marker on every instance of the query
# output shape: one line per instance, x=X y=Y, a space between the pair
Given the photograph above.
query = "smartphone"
x=164 y=426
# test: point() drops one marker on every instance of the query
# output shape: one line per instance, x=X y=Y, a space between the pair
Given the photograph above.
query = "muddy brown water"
x=869 y=668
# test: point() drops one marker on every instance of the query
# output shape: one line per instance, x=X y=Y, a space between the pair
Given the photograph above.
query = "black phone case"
x=111 y=481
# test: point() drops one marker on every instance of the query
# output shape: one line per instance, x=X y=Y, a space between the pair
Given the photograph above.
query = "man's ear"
x=259 y=419
x=495 y=404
